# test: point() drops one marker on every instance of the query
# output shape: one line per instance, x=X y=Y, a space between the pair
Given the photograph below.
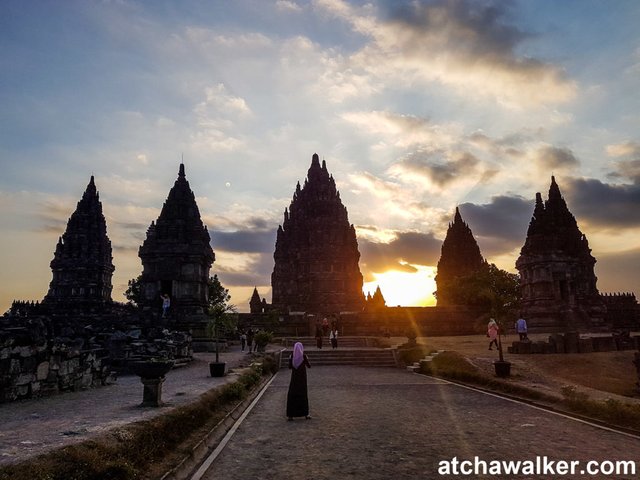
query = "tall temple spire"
x=177 y=255
x=557 y=268
x=316 y=255
x=460 y=257
x=82 y=265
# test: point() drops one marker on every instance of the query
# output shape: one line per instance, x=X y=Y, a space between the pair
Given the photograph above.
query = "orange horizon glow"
x=407 y=289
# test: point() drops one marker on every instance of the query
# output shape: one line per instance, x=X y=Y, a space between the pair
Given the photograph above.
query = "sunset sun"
x=405 y=288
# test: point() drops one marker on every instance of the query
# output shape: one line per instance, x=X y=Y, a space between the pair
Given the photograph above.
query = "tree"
x=133 y=293
x=496 y=290
x=222 y=313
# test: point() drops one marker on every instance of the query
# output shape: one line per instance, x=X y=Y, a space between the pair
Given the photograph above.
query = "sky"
x=416 y=106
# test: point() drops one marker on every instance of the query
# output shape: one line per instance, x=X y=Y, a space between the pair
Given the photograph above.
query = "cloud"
x=288 y=6
x=604 y=205
x=625 y=149
x=500 y=226
x=469 y=46
x=437 y=167
x=629 y=168
x=255 y=269
x=406 y=249
x=551 y=158
x=618 y=272
x=401 y=130
x=247 y=241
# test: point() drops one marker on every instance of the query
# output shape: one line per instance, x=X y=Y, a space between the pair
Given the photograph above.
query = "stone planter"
x=151 y=375
x=151 y=369
x=503 y=369
x=216 y=369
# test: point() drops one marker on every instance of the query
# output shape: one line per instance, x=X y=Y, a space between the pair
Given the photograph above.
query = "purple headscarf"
x=298 y=355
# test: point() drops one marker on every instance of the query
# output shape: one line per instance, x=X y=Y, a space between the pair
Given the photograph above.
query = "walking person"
x=492 y=333
x=297 y=396
x=521 y=329
x=243 y=339
x=333 y=336
x=318 y=335
x=249 y=338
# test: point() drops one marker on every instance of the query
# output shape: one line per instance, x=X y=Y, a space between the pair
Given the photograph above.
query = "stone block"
x=540 y=347
x=42 y=372
x=86 y=380
x=22 y=352
x=557 y=342
x=9 y=394
x=523 y=347
x=625 y=343
x=585 y=345
x=22 y=390
x=5 y=353
x=24 y=379
x=15 y=368
x=35 y=387
x=603 y=344
x=571 y=341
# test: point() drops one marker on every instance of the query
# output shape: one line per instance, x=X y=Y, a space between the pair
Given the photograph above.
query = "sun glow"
x=405 y=288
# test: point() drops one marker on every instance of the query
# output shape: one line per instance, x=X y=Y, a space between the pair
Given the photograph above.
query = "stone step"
x=344 y=342
x=363 y=357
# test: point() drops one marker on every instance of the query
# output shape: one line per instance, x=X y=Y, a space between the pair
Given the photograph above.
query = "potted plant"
x=262 y=338
x=502 y=367
x=222 y=319
x=219 y=323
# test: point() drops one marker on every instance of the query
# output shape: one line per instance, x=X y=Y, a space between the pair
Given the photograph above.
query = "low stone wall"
x=574 y=343
x=395 y=321
x=43 y=356
x=39 y=370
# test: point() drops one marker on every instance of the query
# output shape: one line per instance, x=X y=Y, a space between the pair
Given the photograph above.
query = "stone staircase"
x=364 y=357
x=343 y=342
x=423 y=364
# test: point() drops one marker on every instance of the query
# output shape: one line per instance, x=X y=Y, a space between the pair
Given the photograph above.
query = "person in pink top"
x=492 y=333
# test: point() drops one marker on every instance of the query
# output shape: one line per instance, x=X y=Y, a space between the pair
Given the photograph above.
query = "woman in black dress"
x=297 y=398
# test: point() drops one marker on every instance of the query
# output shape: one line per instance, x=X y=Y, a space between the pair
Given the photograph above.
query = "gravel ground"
x=373 y=423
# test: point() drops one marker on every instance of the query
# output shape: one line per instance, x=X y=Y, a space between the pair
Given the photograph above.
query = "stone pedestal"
x=152 y=393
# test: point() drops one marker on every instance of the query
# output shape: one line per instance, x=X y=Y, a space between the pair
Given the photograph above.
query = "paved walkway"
x=382 y=423
x=31 y=427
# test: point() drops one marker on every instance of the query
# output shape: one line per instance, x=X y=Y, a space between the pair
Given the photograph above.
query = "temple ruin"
x=82 y=264
x=316 y=255
x=557 y=270
x=177 y=256
x=460 y=257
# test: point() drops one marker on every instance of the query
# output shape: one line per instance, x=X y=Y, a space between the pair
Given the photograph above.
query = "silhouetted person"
x=318 y=335
x=492 y=333
x=333 y=336
x=297 y=396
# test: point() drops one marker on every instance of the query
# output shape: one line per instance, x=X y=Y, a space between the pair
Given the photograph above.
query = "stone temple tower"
x=177 y=256
x=316 y=256
x=82 y=264
x=460 y=257
x=556 y=269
